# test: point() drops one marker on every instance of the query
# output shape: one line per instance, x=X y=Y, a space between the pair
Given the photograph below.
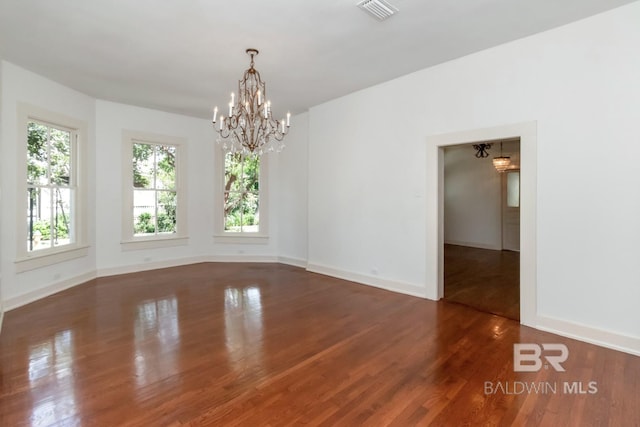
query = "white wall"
x=2 y=238
x=367 y=188
x=112 y=120
x=473 y=196
x=290 y=195
x=22 y=86
x=367 y=177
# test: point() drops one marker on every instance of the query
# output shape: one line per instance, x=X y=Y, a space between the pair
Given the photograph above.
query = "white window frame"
x=30 y=260
x=129 y=240
x=222 y=236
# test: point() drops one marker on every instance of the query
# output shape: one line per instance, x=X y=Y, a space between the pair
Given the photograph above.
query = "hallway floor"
x=484 y=279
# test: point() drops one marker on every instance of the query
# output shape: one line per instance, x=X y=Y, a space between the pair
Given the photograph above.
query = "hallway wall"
x=473 y=196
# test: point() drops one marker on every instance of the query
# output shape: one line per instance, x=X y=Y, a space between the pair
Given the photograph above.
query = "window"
x=154 y=189
x=51 y=186
x=154 y=204
x=513 y=189
x=51 y=219
x=241 y=193
x=242 y=199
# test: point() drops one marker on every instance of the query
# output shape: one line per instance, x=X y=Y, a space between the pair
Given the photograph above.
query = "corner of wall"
x=1 y=182
x=377 y=282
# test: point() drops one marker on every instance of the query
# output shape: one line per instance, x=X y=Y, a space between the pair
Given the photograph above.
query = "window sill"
x=153 y=243
x=247 y=239
x=33 y=261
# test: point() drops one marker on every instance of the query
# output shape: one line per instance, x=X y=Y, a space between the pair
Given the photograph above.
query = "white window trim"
x=130 y=242
x=26 y=260
x=221 y=236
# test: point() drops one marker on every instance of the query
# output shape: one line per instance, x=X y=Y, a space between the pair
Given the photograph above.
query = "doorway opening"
x=482 y=228
x=434 y=262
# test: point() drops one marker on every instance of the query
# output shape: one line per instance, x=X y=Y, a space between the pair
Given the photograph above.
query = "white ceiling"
x=185 y=56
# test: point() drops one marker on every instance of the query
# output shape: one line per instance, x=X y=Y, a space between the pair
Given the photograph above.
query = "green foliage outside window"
x=43 y=229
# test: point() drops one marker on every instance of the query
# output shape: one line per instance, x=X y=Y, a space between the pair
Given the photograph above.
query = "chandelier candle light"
x=250 y=127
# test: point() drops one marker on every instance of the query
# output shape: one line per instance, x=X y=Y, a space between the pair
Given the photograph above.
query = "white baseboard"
x=15 y=302
x=296 y=262
x=378 y=282
x=493 y=247
x=20 y=300
x=156 y=265
x=600 y=337
x=134 y=268
x=243 y=258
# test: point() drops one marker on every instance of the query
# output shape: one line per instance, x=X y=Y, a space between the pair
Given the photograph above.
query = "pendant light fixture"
x=501 y=163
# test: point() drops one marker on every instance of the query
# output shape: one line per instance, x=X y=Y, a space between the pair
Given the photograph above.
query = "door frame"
x=527 y=132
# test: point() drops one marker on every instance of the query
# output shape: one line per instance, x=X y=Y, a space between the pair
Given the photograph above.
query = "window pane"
x=37 y=157
x=60 y=156
x=233 y=183
x=233 y=172
x=143 y=165
x=250 y=216
x=232 y=160
x=144 y=212
x=39 y=219
x=33 y=238
x=232 y=212
x=167 y=211
x=166 y=167
x=250 y=174
x=513 y=189
x=61 y=219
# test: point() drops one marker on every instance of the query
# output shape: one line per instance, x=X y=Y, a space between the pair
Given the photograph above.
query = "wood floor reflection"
x=484 y=279
x=269 y=344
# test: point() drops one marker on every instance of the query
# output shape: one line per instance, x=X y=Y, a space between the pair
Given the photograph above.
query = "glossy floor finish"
x=484 y=279
x=270 y=345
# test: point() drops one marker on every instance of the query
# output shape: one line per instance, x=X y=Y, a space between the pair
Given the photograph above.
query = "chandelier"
x=501 y=163
x=250 y=127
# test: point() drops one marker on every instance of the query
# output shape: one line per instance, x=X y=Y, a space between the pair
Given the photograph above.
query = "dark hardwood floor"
x=484 y=279
x=270 y=345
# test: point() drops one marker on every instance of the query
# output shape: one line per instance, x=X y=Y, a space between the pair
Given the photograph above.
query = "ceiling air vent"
x=379 y=9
